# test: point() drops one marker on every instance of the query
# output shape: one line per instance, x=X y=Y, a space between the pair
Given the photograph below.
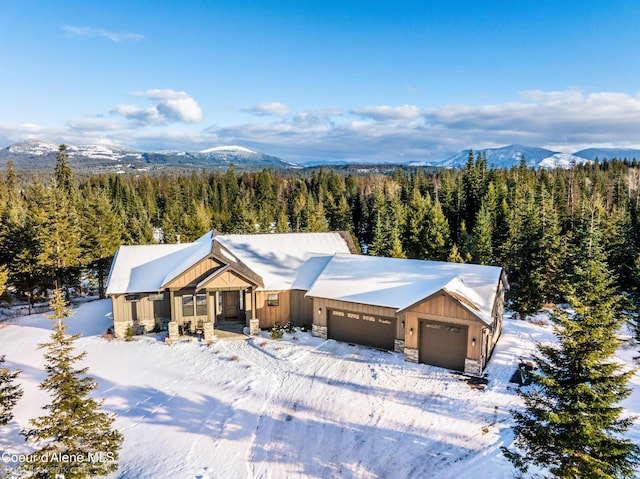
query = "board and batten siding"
x=301 y=308
x=196 y=273
x=442 y=308
x=269 y=315
x=141 y=313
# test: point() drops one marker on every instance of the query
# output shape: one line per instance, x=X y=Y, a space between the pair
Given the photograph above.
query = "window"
x=201 y=304
x=241 y=300
x=132 y=297
x=187 y=305
x=194 y=305
x=273 y=299
x=156 y=297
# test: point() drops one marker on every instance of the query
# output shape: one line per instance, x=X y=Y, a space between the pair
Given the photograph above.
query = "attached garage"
x=443 y=314
x=443 y=344
x=360 y=328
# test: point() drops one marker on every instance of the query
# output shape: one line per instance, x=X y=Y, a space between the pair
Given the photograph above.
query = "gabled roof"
x=271 y=261
x=278 y=258
x=402 y=283
x=145 y=268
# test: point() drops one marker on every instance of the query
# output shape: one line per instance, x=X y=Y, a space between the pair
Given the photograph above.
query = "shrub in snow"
x=277 y=331
x=128 y=335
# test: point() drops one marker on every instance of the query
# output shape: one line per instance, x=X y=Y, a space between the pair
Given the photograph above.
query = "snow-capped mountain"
x=32 y=147
x=609 y=153
x=36 y=154
x=512 y=155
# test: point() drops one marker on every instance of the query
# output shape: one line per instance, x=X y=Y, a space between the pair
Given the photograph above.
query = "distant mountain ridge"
x=40 y=155
x=535 y=157
x=36 y=154
x=609 y=153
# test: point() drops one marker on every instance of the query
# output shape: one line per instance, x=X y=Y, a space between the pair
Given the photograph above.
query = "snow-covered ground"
x=296 y=407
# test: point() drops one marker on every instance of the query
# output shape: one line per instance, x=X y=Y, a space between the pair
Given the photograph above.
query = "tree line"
x=526 y=220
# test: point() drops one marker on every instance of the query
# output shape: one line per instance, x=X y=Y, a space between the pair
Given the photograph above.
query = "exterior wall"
x=301 y=308
x=268 y=315
x=441 y=307
x=321 y=307
x=141 y=314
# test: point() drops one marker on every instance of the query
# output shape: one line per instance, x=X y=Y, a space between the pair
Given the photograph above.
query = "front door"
x=231 y=306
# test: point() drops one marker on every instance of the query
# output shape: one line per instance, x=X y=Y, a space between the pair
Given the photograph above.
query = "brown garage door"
x=374 y=331
x=443 y=344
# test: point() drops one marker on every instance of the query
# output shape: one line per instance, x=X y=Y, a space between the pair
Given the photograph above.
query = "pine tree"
x=101 y=236
x=75 y=430
x=571 y=423
x=527 y=271
x=454 y=255
x=58 y=238
x=482 y=252
x=10 y=393
x=4 y=277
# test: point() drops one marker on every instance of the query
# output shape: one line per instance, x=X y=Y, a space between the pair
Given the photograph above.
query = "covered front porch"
x=229 y=309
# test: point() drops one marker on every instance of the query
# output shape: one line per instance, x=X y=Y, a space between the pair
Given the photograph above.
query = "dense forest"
x=59 y=227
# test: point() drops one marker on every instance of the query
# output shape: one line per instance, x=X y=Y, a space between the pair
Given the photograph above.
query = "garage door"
x=374 y=331
x=443 y=344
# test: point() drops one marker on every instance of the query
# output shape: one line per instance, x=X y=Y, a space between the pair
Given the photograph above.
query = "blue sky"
x=333 y=80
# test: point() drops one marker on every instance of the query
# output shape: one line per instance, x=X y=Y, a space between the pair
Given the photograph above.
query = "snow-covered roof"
x=278 y=258
x=400 y=283
x=146 y=268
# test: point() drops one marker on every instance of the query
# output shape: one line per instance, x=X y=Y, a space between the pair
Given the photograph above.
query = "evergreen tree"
x=58 y=238
x=63 y=175
x=25 y=272
x=282 y=223
x=101 y=236
x=75 y=428
x=10 y=393
x=4 y=276
x=571 y=423
x=482 y=252
x=527 y=270
x=454 y=255
x=415 y=224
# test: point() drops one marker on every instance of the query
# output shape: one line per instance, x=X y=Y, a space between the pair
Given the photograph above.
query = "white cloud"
x=565 y=121
x=384 y=112
x=173 y=106
x=269 y=109
x=99 y=32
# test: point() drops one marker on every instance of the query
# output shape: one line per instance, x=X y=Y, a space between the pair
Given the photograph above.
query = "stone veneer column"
x=473 y=367
x=319 y=331
x=254 y=327
x=207 y=331
x=411 y=355
x=173 y=332
x=398 y=345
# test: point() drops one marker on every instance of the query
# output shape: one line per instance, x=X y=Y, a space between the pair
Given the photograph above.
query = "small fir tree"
x=571 y=423
x=10 y=393
x=75 y=438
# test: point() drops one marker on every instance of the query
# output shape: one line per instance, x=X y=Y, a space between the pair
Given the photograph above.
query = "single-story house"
x=444 y=314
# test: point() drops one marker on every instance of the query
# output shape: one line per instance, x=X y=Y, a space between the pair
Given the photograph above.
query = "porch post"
x=172 y=304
